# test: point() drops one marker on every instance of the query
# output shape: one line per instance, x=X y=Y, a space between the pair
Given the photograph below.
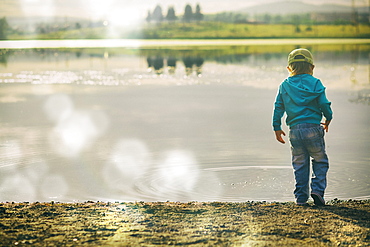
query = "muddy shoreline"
x=340 y=223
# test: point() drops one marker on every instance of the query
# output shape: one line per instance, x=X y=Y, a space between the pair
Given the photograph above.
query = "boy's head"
x=300 y=61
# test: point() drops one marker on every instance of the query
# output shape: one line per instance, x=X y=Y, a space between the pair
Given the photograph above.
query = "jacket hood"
x=302 y=89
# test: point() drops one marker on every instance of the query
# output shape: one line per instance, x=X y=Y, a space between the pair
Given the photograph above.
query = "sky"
x=128 y=11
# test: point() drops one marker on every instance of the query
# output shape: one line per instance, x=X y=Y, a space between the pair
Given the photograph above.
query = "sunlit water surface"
x=158 y=125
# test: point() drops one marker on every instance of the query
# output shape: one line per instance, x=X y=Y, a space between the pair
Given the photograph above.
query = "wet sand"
x=340 y=223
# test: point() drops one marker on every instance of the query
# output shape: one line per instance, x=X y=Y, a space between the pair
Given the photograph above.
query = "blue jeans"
x=307 y=140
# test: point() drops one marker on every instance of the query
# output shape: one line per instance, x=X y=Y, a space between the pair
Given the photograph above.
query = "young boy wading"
x=303 y=98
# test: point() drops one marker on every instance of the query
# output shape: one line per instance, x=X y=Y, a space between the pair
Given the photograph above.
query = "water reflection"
x=127 y=164
x=192 y=64
x=74 y=130
x=177 y=174
x=31 y=180
x=54 y=187
x=156 y=63
x=339 y=66
x=75 y=125
x=171 y=65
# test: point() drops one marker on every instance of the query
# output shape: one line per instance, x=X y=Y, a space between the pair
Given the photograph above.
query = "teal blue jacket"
x=303 y=99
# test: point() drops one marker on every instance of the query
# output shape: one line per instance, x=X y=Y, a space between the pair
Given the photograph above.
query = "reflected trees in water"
x=156 y=63
x=4 y=54
x=191 y=64
x=171 y=64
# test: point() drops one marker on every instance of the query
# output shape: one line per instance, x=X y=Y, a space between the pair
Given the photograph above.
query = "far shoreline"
x=165 y=43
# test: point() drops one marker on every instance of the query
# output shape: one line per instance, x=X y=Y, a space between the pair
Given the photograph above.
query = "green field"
x=212 y=30
x=208 y=30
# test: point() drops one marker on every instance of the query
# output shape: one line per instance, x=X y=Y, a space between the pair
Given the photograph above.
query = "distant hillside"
x=31 y=21
x=289 y=7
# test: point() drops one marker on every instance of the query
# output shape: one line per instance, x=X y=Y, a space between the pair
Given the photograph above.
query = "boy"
x=303 y=98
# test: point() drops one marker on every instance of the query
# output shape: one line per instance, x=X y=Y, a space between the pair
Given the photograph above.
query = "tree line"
x=189 y=15
x=4 y=26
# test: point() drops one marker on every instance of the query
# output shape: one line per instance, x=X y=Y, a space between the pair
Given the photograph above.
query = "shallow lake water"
x=116 y=124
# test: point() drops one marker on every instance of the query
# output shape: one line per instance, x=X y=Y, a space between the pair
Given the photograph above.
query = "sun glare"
x=128 y=17
x=99 y=9
x=74 y=129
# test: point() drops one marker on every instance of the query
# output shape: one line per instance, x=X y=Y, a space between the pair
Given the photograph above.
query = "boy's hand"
x=326 y=125
x=279 y=138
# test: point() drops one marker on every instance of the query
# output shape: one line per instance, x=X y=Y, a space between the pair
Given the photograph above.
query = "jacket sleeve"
x=279 y=110
x=325 y=106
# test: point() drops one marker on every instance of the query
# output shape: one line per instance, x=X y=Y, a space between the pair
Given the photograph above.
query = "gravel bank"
x=340 y=223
